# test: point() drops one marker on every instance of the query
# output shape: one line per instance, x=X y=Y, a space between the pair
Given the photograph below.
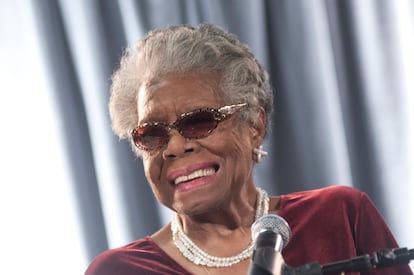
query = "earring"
x=259 y=153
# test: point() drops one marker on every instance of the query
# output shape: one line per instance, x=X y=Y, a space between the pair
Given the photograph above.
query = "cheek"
x=237 y=156
x=236 y=144
x=152 y=170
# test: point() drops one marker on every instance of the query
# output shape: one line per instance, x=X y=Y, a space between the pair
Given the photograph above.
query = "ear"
x=259 y=128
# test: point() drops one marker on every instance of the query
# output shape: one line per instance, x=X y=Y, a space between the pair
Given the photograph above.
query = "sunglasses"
x=191 y=125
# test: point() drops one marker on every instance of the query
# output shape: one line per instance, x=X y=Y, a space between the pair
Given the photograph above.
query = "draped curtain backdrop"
x=343 y=100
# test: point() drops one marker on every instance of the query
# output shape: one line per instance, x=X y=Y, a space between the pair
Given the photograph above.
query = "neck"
x=236 y=213
x=238 y=240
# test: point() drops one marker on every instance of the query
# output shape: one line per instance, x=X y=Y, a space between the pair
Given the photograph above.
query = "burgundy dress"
x=328 y=225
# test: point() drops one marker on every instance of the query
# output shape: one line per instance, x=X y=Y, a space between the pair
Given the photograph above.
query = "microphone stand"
x=380 y=259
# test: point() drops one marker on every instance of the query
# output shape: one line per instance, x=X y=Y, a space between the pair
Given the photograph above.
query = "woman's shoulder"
x=138 y=247
x=105 y=262
x=332 y=197
x=142 y=255
x=330 y=193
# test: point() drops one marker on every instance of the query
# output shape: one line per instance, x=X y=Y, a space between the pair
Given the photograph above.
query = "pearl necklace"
x=199 y=257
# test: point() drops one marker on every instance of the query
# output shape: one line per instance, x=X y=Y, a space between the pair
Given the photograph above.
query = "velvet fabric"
x=328 y=225
x=332 y=224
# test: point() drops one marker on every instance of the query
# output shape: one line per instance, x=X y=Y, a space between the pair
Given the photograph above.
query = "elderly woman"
x=195 y=104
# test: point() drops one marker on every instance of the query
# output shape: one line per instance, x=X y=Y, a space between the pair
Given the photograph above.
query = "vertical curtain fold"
x=362 y=156
x=67 y=95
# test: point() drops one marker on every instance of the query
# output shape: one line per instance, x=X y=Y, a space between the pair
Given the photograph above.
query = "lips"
x=194 y=175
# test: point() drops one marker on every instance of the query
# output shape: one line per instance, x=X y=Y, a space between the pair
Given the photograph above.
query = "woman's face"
x=197 y=175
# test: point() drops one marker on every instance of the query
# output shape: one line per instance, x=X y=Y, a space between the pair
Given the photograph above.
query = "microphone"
x=271 y=233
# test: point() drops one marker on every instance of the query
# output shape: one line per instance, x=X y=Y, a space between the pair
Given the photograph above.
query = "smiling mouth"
x=196 y=174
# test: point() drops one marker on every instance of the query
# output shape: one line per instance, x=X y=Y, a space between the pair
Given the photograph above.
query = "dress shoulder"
x=335 y=195
x=142 y=256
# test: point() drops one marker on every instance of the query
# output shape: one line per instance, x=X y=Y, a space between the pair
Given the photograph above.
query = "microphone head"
x=272 y=223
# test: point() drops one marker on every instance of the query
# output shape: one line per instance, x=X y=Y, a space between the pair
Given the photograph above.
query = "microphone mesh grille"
x=273 y=223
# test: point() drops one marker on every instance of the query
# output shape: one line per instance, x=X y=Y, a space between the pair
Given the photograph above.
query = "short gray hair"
x=181 y=50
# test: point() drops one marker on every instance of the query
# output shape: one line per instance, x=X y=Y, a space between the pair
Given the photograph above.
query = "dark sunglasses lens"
x=151 y=136
x=197 y=125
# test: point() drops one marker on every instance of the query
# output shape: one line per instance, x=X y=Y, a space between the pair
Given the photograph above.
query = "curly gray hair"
x=181 y=50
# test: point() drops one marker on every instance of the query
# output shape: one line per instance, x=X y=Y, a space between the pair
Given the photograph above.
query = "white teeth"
x=196 y=174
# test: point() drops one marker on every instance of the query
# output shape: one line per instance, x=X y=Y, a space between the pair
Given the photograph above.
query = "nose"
x=177 y=146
